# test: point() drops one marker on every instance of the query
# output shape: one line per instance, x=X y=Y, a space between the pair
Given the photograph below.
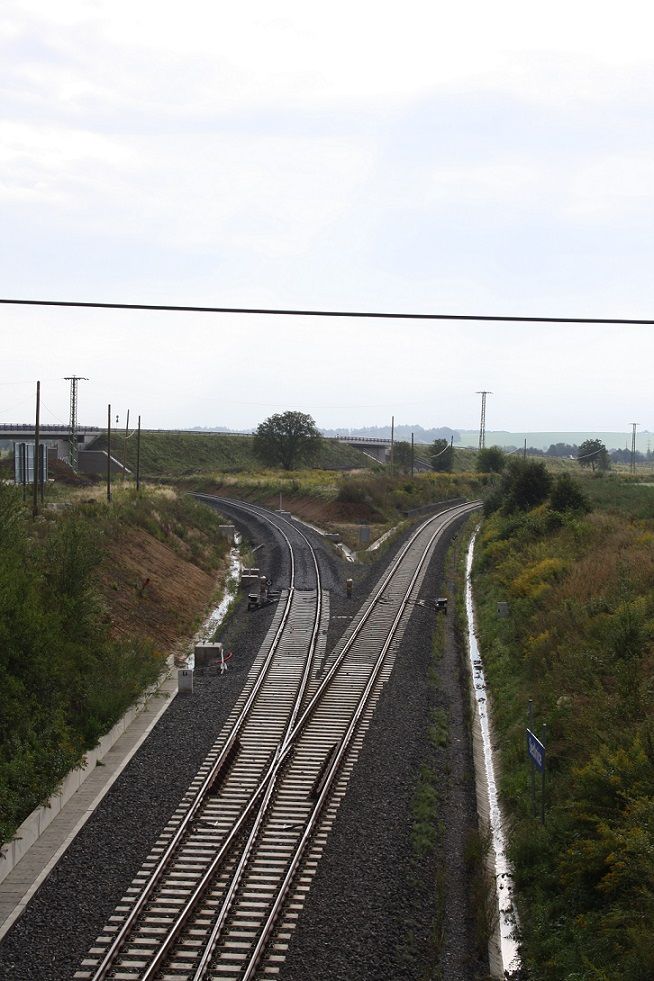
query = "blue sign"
x=536 y=751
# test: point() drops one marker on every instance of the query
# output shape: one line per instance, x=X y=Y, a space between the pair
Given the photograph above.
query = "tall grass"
x=579 y=641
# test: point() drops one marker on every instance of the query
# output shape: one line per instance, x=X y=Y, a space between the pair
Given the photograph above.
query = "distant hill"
x=420 y=435
x=470 y=437
x=542 y=441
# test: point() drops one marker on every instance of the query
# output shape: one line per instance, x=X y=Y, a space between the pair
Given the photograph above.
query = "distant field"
x=542 y=441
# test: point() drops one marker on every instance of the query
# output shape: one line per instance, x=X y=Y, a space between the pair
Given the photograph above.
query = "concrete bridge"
x=48 y=433
x=378 y=449
x=57 y=439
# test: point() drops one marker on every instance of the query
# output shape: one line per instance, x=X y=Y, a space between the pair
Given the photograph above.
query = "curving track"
x=222 y=888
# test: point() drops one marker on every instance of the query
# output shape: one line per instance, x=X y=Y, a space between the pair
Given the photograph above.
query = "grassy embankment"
x=324 y=494
x=342 y=502
x=166 y=455
x=90 y=600
x=579 y=641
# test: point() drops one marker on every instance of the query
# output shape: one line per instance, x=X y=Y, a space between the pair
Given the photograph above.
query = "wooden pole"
x=125 y=449
x=392 y=443
x=542 y=786
x=109 y=452
x=530 y=726
x=138 y=456
x=411 y=456
x=37 y=433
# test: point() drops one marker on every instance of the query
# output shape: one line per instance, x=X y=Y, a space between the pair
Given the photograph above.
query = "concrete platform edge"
x=38 y=821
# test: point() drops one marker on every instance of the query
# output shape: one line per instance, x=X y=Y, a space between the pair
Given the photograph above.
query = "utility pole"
x=72 y=437
x=411 y=456
x=482 y=423
x=37 y=447
x=125 y=449
x=633 y=447
x=524 y=453
x=109 y=453
x=393 y=445
x=138 y=457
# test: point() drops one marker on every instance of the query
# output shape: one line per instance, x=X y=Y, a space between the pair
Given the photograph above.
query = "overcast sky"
x=470 y=157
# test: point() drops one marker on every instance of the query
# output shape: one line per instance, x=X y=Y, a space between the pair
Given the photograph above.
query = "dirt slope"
x=151 y=591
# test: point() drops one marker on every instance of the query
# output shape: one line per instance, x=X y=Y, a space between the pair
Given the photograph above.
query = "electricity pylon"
x=633 y=447
x=72 y=435
x=482 y=424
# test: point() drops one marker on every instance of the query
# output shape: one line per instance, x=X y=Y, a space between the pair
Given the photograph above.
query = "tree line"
x=292 y=439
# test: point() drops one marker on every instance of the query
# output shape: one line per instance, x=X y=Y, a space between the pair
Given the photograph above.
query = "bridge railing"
x=362 y=439
x=6 y=427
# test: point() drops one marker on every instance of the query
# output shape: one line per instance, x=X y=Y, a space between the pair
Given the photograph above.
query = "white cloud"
x=470 y=156
x=615 y=186
x=494 y=183
x=256 y=55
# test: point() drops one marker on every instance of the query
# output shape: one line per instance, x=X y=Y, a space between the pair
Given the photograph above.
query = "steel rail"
x=110 y=955
x=320 y=690
x=262 y=512
x=283 y=750
x=210 y=945
x=335 y=764
x=461 y=509
x=295 y=733
x=266 y=786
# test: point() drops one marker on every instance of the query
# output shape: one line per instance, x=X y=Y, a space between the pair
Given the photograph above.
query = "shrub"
x=490 y=459
x=352 y=492
x=525 y=484
x=567 y=495
x=579 y=641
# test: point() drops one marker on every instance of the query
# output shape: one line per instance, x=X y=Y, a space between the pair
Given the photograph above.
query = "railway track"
x=222 y=889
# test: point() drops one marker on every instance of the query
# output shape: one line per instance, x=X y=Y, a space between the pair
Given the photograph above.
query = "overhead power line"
x=367 y=314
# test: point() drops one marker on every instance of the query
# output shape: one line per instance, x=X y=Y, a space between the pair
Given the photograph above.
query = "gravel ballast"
x=378 y=910
x=370 y=912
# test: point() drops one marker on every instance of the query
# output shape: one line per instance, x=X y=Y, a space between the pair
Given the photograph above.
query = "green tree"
x=287 y=439
x=442 y=455
x=490 y=459
x=592 y=453
x=567 y=495
x=525 y=485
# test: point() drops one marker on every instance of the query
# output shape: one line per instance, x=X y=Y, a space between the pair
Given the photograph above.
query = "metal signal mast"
x=482 y=424
x=632 y=466
x=72 y=436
